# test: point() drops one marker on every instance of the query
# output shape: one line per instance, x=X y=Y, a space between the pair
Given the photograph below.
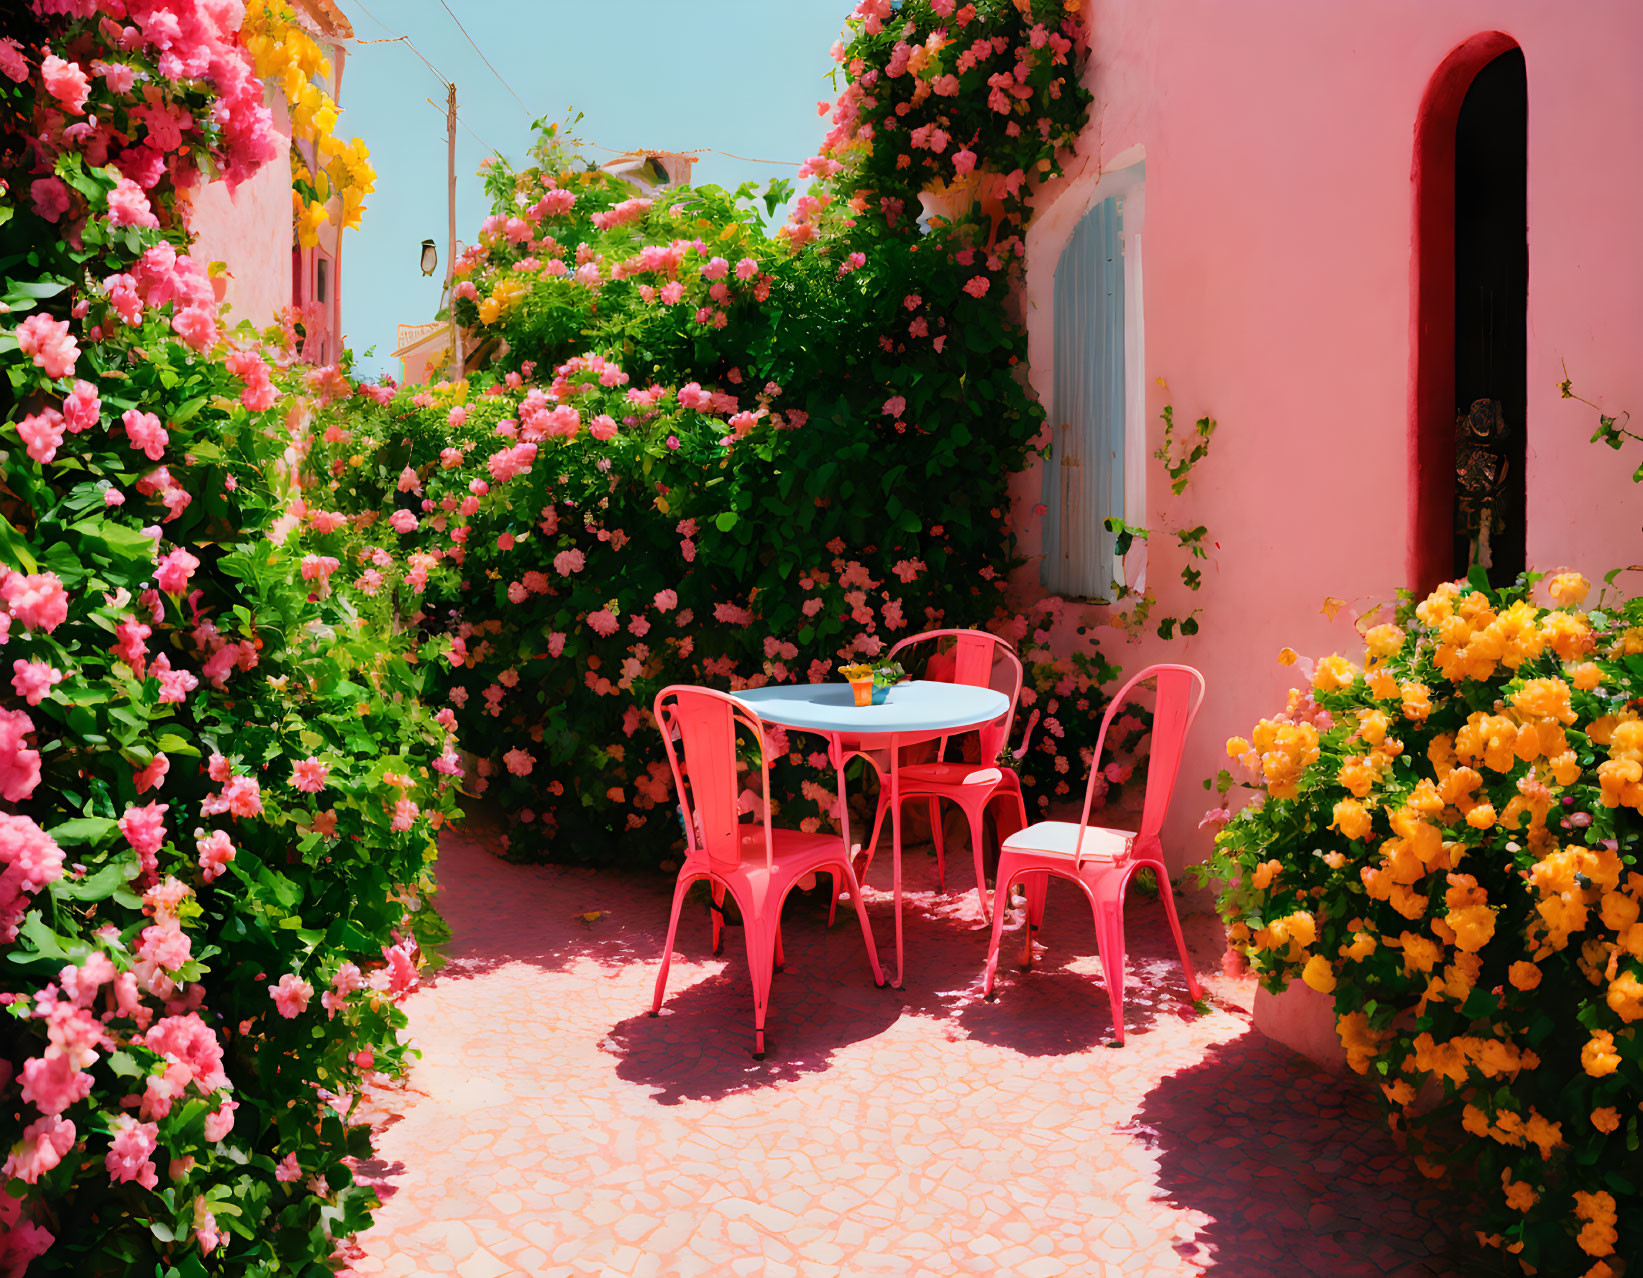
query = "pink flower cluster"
x=45 y=1142
x=221 y=658
x=57 y=1078
x=34 y=680
x=130 y=1152
x=37 y=601
x=511 y=462
x=173 y=571
x=215 y=851
x=291 y=996
x=49 y=344
x=42 y=434
x=19 y=765
x=146 y=434
x=144 y=829
x=309 y=775
x=555 y=202
x=259 y=393
x=320 y=567
x=621 y=214
x=128 y=206
x=241 y=796
x=31 y=860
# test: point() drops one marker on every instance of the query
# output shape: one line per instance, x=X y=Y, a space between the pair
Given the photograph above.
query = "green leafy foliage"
x=748 y=457
x=218 y=781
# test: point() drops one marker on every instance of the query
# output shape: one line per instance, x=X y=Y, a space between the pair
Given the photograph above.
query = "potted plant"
x=860 y=679
x=872 y=683
x=886 y=674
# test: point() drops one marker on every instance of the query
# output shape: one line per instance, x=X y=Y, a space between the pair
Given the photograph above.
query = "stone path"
x=552 y=1127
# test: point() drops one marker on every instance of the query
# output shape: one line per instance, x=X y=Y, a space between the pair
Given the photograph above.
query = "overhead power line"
x=444 y=80
x=399 y=39
x=748 y=158
x=484 y=59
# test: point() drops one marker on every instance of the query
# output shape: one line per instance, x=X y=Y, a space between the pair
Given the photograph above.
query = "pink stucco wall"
x=249 y=230
x=1277 y=258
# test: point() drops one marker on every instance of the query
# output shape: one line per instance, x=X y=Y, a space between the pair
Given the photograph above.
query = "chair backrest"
x=980 y=660
x=706 y=781
x=1180 y=691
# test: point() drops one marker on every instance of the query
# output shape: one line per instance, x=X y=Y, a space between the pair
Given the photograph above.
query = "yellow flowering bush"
x=286 y=55
x=1444 y=840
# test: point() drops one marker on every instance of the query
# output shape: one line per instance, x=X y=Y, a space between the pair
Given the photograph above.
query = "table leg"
x=895 y=846
x=835 y=747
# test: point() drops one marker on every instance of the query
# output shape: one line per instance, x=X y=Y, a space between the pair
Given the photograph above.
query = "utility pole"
x=457 y=370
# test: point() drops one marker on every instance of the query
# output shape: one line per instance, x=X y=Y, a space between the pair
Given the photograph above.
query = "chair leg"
x=854 y=889
x=1038 y=887
x=781 y=958
x=761 y=933
x=1165 y=891
x=978 y=818
x=679 y=891
x=717 y=913
x=1001 y=902
x=935 y=837
x=833 y=902
x=1107 y=891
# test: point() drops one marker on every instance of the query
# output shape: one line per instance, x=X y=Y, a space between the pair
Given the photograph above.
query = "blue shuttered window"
x=1084 y=473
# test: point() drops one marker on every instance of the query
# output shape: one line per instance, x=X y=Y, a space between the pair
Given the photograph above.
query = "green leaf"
x=16 y=549
x=123 y=1064
x=84 y=830
x=47 y=944
x=725 y=520
x=94 y=887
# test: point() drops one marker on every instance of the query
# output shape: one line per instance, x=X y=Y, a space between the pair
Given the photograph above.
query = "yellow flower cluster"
x=1474 y=639
x=1510 y=1127
x=1414 y=851
x=1568 y=588
x=505 y=295
x=1469 y=917
x=1520 y=1194
x=1598 y=1236
x=1599 y=1057
x=1284 y=751
x=286 y=55
x=1473 y=878
x=1362 y=1043
x=1621 y=774
x=1291 y=934
x=1570 y=881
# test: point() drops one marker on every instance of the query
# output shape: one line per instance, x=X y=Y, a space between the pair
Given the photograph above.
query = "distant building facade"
x=251 y=230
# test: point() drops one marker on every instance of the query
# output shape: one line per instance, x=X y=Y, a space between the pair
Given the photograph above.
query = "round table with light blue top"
x=915 y=711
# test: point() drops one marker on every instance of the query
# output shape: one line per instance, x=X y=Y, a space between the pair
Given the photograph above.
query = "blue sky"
x=742 y=76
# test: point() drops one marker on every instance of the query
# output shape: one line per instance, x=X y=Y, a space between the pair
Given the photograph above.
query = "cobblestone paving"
x=553 y=1127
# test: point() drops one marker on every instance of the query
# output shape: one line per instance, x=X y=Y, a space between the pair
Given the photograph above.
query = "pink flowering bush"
x=722 y=452
x=218 y=793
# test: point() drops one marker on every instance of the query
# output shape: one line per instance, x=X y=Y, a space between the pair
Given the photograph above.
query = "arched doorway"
x=1469 y=394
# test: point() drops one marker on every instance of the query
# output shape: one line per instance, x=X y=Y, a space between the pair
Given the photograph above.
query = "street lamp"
x=430 y=257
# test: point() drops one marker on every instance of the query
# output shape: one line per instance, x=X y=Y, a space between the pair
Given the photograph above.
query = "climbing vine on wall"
x=1178 y=457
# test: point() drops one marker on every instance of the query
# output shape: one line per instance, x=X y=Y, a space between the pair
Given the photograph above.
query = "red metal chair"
x=726 y=851
x=1099 y=859
x=983 y=660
